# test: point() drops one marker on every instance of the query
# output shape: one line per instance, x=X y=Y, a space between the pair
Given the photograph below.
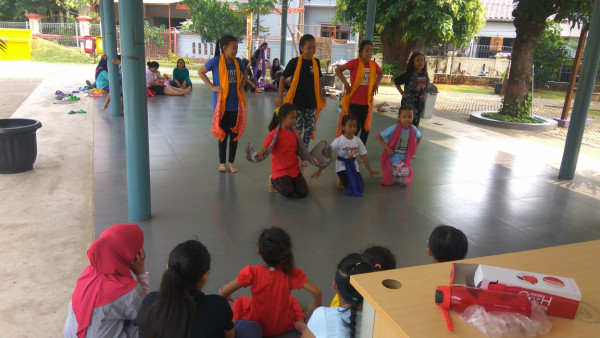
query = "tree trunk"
x=394 y=49
x=519 y=81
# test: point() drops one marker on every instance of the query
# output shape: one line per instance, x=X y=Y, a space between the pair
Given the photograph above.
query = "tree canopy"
x=550 y=54
x=530 y=18
x=213 y=19
x=402 y=23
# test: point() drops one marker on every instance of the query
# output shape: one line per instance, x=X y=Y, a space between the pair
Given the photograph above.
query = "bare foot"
x=303 y=163
x=300 y=326
x=222 y=168
x=233 y=168
x=270 y=184
x=339 y=184
x=414 y=156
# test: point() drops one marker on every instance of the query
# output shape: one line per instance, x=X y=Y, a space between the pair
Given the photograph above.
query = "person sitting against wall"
x=181 y=76
x=160 y=84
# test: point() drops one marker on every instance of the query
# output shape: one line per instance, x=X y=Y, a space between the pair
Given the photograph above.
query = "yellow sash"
x=289 y=97
x=240 y=124
x=345 y=103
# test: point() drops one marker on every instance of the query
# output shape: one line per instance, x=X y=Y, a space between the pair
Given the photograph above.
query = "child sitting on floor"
x=447 y=243
x=382 y=259
x=342 y=321
x=272 y=304
x=348 y=149
x=399 y=143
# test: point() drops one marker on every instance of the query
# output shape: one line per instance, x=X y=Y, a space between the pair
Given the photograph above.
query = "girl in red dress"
x=272 y=304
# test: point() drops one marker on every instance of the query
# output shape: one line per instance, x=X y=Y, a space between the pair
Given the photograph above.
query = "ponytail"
x=353 y=264
x=278 y=116
x=172 y=314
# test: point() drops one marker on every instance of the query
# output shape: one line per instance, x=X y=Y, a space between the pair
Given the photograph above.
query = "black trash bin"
x=18 y=145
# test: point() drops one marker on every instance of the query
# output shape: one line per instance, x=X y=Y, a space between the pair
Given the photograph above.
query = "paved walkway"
x=458 y=106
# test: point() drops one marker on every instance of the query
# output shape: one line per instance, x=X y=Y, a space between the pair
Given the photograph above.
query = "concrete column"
x=585 y=88
x=34 y=22
x=84 y=25
x=110 y=42
x=131 y=19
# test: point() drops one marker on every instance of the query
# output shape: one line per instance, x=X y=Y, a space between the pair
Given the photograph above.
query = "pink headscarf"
x=386 y=160
x=108 y=276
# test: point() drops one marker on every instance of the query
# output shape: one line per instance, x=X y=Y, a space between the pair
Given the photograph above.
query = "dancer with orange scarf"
x=229 y=100
x=365 y=75
x=305 y=91
x=106 y=297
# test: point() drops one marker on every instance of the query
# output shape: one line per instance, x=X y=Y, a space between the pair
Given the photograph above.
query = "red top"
x=285 y=159
x=361 y=95
x=271 y=291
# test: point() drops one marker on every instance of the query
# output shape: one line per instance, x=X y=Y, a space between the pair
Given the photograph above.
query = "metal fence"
x=95 y=29
x=7 y=24
x=65 y=34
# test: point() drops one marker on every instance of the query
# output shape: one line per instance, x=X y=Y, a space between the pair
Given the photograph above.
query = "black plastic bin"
x=18 y=145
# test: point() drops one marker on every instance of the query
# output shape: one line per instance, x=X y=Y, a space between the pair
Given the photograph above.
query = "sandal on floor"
x=81 y=111
x=72 y=112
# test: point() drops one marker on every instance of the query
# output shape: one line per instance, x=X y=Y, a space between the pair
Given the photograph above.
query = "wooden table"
x=410 y=311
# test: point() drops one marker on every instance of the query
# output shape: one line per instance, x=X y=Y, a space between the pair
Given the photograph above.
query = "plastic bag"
x=507 y=324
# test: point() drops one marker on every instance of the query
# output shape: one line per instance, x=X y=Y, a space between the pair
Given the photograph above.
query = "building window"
x=339 y=32
x=193 y=48
x=211 y=49
x=205 y=48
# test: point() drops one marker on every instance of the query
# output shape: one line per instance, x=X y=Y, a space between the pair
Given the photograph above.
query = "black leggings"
x=287 y=185
x=344 y=178
x=361 y=112
x=228 y=121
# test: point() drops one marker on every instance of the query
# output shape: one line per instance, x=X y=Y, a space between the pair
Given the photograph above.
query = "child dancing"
x=348 y=149
x=400 y=147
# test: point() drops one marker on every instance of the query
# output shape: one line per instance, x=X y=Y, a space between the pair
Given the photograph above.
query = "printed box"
x=560 y=296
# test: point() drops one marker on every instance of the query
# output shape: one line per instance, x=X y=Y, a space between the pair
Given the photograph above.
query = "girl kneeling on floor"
x=348 y=148
x=399 y=144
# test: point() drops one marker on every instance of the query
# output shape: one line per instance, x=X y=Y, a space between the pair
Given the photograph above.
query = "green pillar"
x=284 y=13
x=102 y=30
x=370 y=25
x=131 y=16
x=110 y=43
x=585 y=87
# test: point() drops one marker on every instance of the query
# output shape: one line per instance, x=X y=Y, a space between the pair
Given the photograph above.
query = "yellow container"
x=99 y=50
x=18 y=42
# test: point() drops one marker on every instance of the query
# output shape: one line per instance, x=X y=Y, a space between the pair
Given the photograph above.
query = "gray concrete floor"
x=500 y=189
x=504 y=200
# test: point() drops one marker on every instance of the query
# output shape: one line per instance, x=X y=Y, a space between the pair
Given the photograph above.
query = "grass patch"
x=469 y=89
x=506 y=118
x=48 y=51
x=548 y=94
x=594 y=112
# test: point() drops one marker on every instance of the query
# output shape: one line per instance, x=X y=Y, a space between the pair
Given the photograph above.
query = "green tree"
x=257 y=8
x=550 y=54
x=530 y=17
x=213 y=19
x=401 y=24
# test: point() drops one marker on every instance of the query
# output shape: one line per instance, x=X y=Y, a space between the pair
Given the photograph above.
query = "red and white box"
x=559 y=296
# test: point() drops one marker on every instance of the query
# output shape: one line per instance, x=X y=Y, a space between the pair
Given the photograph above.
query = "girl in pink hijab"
x=107 y=296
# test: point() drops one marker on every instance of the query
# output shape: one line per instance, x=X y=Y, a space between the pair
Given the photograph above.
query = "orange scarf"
x=345 y=103
x=240 y=124
x=289 y=97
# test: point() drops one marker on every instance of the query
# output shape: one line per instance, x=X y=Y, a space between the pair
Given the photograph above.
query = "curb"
x=476 y=117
